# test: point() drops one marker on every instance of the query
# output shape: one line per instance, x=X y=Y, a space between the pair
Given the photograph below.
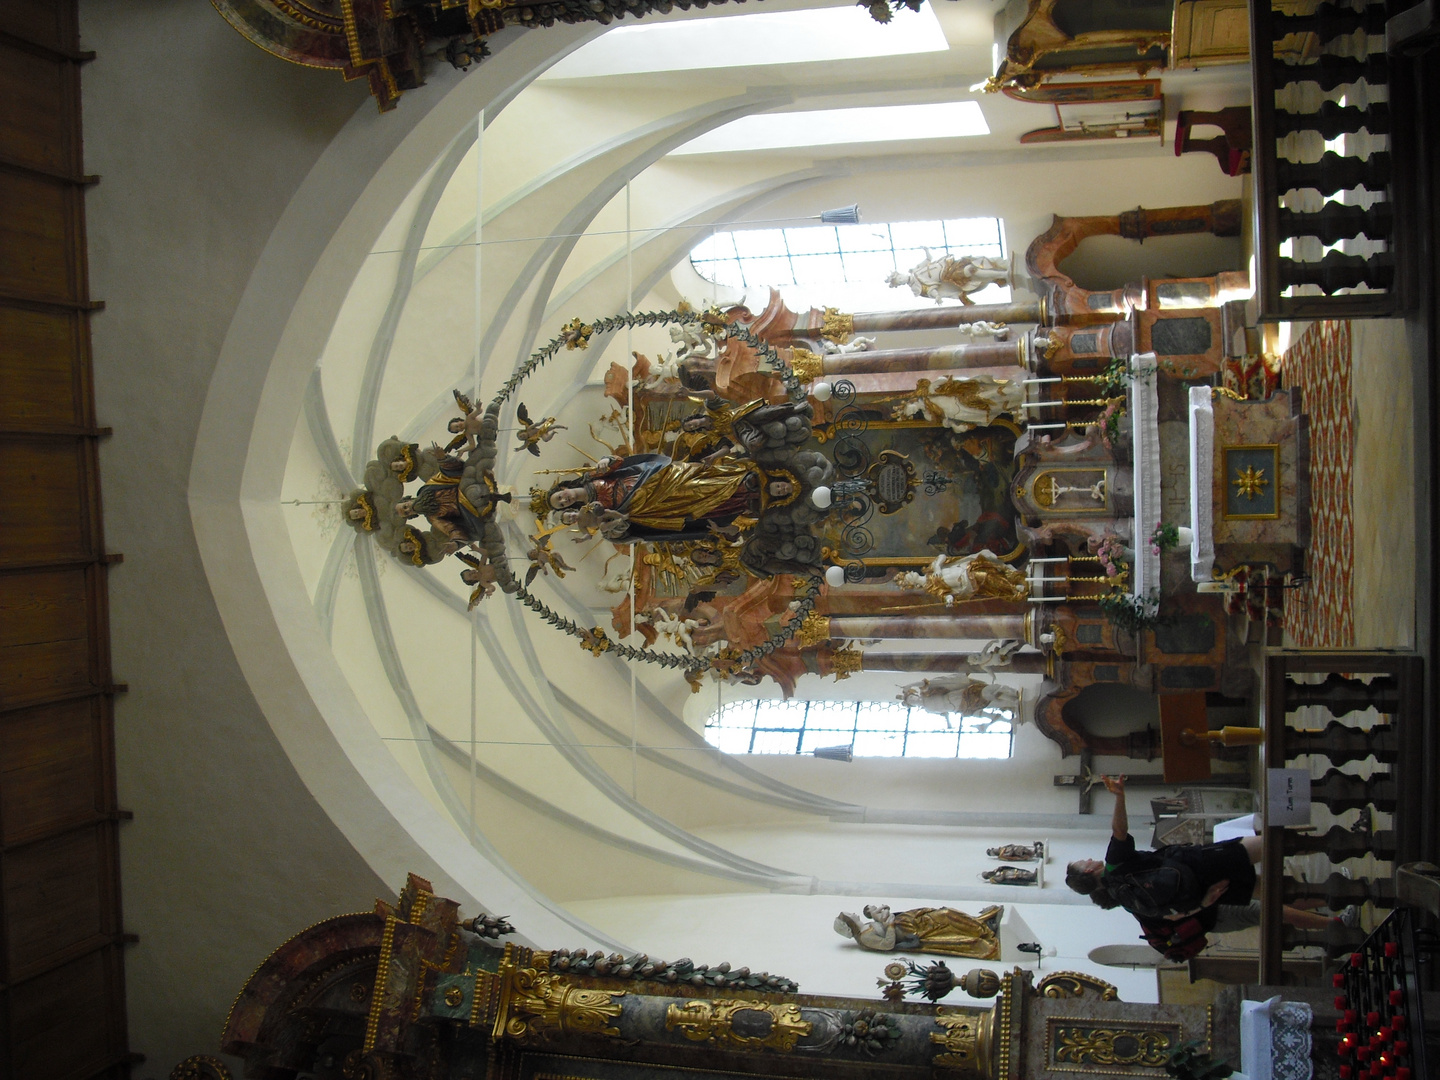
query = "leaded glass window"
x=870 y=728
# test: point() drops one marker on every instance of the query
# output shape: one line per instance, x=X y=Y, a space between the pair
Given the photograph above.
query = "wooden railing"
x=1314 y=280
x=1395 y=691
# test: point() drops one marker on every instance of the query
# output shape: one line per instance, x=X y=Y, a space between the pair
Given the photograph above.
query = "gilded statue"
x=1010 y=875
x=933 y=930
x=968 y=577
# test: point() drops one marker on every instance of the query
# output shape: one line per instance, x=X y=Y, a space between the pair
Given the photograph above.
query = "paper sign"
x=1288 y=796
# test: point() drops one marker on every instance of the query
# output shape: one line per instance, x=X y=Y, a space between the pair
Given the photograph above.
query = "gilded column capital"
x=837 y=326
x=806 y=364
x=815 y=630
x=538 y=1005
x=965 y=1043
x=846 y=661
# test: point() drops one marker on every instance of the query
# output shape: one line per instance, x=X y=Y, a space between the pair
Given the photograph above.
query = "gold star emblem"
x=1250 y=482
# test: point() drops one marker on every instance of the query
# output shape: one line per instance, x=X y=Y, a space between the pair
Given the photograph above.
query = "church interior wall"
x=231 y=851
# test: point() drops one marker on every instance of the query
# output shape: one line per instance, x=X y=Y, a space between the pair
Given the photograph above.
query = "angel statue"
x=960 y=693
x=465 y=427
x=950 y=278
x=653 y=497
x=961 y=404
x=968 y=577
x=532 y=434
x=933 y=930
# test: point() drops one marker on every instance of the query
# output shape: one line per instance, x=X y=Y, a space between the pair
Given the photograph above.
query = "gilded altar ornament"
x=1251 y=482
x=965 y=1041
x=837 y=326
x=806 y=364
x=846 y=660
x=745 y=1025
x=577 y=334
x=200 y=1067
x=1074 y=984
x=814 y=630
x=1084 y=1044
x=539 y=1006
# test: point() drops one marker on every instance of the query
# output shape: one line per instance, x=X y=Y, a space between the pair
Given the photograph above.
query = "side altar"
x=412 y=990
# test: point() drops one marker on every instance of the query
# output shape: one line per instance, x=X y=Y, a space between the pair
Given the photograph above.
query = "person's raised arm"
x=1119 y=822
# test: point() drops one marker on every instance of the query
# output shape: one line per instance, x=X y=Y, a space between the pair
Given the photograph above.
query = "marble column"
x=956 y=627
x=1020 y=664
x=945 y=317
x=944 y=358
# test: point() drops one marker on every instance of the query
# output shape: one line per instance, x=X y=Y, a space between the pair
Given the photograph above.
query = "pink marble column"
x=1020 y=663
x=944 y=317
x=957 y=627
x=945 y=358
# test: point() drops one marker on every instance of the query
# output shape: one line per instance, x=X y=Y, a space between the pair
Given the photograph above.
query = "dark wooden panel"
x=53 y=768
x=63 y=1024
x=40 y=361
x=44 y=22
x=37 y=122
x=52 y=524
x=37 y=231
x=58 y=897
x=45 y=646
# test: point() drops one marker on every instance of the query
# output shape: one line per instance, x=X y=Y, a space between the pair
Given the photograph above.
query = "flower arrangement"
x=1131 y=613
x=1118 y=375
x=1164 y=538
x=1111 y=553
x=1109 y=422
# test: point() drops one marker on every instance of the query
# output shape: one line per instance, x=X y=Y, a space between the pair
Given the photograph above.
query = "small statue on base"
x=968 y=577
x=1010 y=875
x=934 y=930
x=961 y=404
x=1018 y=852
x=960 y=693
x=949 y=278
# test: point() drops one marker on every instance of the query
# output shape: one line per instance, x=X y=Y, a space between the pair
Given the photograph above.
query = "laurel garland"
x=576 y=334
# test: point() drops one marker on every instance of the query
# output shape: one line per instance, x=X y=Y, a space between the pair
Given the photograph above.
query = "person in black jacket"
x=1180 y=892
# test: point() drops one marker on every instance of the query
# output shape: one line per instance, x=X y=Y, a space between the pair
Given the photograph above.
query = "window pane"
x=879 y=744
x=906 y=258
x=768 y=272
x=817 y=269
x=873 y=266
x=820 y=240
x=837 y=715
x=931 y=744
x=863 y=237
x=775 y=742
x=723 y=272
x=880 y=716
x=925 y=720
x=760 y=242
x=985 y=746
x=735 y=714
x=718 y=246
x=914 y=234
x=730 y=740
x=974 y=232
x=814 y=739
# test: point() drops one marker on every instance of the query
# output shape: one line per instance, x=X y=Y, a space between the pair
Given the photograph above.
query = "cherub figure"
x=465 y=427
x=543 y=559
x=480 y=574
x=532 y=434
x=673 y=627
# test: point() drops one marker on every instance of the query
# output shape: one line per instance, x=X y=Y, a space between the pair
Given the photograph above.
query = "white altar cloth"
x=1145 y=439
x=1202 y=471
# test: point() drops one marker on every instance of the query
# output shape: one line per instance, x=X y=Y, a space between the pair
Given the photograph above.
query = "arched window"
x=869 y=728
x=845 y=264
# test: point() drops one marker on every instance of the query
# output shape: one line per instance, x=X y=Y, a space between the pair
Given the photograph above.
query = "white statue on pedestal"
x=950 y=278
x=961 y=404
x=958 y=692
x=968 y=577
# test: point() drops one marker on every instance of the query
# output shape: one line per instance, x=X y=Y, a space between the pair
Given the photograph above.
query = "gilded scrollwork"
x=1081 y=1046
x=541 y=1005
x=771 y=1026
x=1073 y=984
